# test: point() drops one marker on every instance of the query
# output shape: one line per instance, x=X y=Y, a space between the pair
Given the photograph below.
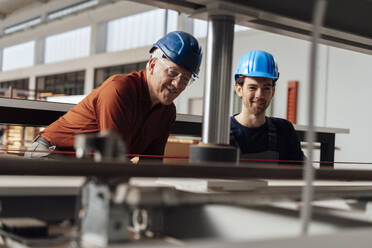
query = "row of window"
x=68 y=10
x=71 y=83
x=101 y=74
x=124 y=33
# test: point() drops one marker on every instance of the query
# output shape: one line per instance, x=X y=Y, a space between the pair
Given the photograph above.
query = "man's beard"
x=258 y=109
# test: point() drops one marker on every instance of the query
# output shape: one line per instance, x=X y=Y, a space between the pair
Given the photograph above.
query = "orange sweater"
x=122 y=103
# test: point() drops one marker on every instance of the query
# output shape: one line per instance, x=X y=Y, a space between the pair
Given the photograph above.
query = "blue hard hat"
x=257 y=64
x=182 y=49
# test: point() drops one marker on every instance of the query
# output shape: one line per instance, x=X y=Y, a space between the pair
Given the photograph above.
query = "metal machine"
x=119 y=202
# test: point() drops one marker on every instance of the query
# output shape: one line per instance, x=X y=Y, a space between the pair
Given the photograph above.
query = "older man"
x=258 y=136
x=139 y=105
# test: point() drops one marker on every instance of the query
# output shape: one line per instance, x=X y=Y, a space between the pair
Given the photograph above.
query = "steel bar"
x=204 y=170
x=216 y=122
x=307 y=193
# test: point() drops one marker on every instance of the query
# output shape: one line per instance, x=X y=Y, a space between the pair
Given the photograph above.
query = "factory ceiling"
x=7 y=7
x=346 y=24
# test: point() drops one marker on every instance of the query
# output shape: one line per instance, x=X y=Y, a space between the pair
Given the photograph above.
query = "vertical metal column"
x=98 y=38
x=1 y=59
x=307 y=191
x=39 y=51
x=216 y=122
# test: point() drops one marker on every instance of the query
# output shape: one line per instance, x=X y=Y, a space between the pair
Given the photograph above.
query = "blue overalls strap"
x=232 y=139
x=272 y=135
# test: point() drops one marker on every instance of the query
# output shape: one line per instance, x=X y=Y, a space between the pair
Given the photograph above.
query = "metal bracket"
x=102 y=221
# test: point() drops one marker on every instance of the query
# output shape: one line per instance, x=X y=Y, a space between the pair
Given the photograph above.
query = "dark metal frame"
x=327 y=146
x=38 y=113
x=126 y=170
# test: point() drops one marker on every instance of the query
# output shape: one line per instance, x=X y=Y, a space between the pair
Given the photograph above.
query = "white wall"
x=350 y=89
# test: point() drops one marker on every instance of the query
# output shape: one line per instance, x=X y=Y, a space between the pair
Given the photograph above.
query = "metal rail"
x=206 y=170
x=256 y=196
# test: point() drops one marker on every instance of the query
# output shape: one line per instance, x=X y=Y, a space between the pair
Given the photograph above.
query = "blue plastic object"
x=182 y=49
x=257 y=63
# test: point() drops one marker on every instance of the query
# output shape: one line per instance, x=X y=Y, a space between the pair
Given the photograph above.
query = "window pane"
x=18 y=56
x=71 y=83
x=17 y=88
x=69 y=45
x=22 y=26
x=72 y=9
x=172 y=21
x=101 y=74
x=135 y=31
x=200 y=28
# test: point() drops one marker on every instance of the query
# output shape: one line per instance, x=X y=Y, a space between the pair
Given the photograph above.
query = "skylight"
x=22 y=25
x=72 y=9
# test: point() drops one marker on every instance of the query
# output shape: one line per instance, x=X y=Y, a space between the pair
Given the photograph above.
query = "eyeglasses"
x=174 y=74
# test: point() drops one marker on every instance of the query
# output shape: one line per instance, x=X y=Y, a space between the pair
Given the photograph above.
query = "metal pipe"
x=216 y=121
x=307 y=193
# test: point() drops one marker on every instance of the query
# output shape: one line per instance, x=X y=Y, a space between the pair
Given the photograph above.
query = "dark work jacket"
x=256 y=140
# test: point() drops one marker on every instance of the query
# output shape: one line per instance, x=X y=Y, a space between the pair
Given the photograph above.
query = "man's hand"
x=134 y=160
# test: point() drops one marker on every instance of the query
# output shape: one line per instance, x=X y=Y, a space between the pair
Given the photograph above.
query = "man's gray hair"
x=157 y=53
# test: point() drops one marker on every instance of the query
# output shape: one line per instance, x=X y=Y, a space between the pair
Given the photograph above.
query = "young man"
x=138 y=106
x=259 y=136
